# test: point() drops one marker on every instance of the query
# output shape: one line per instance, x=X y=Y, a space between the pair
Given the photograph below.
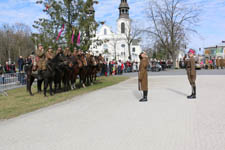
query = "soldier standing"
x=191 y=73
x=41 y=60
x=143 y=76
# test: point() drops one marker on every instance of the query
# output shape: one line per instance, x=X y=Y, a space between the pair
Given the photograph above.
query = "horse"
x=31 y=77
x=91 y=67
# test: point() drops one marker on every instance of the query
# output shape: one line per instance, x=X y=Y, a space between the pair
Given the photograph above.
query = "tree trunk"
x=174 y=57
x=130 y=58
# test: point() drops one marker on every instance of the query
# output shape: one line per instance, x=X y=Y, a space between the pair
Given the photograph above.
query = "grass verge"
x=20 y=102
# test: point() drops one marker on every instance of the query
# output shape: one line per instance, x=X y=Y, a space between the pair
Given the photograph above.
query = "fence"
x=10 y=81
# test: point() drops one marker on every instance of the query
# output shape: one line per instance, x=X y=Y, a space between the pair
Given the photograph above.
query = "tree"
x=170 y=23
x=132 y=34
x=15 y=40
x=114 y=41
x=73 y=15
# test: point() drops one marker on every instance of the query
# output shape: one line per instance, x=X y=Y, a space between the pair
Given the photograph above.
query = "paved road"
x=113 y=119
x=171 y=72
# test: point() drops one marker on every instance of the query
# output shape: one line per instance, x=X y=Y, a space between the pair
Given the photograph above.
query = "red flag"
x=78 y=40
x=60 y=32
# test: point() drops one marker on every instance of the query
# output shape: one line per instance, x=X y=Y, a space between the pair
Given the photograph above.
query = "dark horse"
x=30 y=79
x=47 y=76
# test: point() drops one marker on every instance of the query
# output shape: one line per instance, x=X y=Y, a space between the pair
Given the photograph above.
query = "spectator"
x=122 y=67
x=1 y=69
x=20 y=63
x=28 y=60
x=13 y=68
x=119 y=67
x=1 y=74
x=7 y=67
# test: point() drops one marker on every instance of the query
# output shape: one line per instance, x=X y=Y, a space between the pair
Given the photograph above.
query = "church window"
x=122 y=27
x=133 y=49
x=105 y=31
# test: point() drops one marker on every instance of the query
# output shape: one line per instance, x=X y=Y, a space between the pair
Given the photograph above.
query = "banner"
x=60 y=32
x=73 y=36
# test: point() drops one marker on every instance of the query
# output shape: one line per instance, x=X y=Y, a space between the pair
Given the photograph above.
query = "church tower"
x=124 y=9
x=123 y=23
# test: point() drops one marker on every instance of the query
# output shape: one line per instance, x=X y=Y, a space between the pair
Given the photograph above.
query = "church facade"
x=115 y=44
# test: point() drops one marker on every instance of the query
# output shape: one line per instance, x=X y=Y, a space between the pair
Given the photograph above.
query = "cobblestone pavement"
x=113 y=119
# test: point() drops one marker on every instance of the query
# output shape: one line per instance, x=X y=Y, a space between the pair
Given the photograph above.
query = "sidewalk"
x=113 y=119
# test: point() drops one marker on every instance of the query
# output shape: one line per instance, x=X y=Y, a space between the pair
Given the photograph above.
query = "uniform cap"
x=191 y=51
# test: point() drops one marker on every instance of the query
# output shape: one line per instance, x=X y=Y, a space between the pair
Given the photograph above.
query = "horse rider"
x=59 y=51
x=49 y=54
x=101 y=59
x=40 y=60
x=67 y=52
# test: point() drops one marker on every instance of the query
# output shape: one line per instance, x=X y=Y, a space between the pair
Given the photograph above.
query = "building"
x=115 y=45
x=217 y=51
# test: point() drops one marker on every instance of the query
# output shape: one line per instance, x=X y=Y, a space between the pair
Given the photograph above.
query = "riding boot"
x=194 y=95
x=145 y=95
x=189 y=97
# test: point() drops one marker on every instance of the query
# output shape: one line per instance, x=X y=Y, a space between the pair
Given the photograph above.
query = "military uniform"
x=217 y=63
x=143 y=77
x=67 y=52
x=41 y=59
x=191 y=73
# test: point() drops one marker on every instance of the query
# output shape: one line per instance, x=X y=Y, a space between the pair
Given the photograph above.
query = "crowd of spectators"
x=9 y=69
x=118 y=67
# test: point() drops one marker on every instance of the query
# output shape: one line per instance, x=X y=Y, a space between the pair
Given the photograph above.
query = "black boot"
x=193 y=95
x=145 y=95
x=189 y=97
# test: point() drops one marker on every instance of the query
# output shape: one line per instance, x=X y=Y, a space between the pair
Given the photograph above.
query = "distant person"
x=20 y=63
x=143 y=76
x=1 y=69
x=7 y=67
x=191 y=73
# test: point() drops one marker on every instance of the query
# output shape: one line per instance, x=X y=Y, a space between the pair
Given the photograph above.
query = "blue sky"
x=211 y=29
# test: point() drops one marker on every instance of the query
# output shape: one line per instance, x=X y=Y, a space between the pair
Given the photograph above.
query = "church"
x=115 y=45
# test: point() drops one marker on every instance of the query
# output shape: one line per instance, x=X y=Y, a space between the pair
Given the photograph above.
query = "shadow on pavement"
x=177 y=92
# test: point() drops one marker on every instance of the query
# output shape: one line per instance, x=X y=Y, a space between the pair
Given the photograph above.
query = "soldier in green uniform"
x=41 y=60
x=143 y=76
x=191 y=72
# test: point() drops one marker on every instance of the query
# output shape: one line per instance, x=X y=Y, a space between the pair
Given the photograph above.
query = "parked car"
x=197 y=66
x=156 y=67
